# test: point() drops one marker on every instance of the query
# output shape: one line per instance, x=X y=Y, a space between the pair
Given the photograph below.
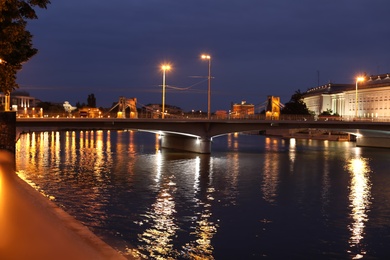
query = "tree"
x=296 y=105
x=328 y=112
x=91 y=101
x=15 y=41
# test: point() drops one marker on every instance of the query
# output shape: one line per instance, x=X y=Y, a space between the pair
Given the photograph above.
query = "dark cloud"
x=258 y=47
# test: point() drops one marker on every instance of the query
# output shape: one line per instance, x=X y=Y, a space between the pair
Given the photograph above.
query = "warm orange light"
x=206 y=57
x=165 y=67
x=360 y=79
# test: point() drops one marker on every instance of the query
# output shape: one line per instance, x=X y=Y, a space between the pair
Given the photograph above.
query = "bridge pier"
x=186 y=143
x=369 y=141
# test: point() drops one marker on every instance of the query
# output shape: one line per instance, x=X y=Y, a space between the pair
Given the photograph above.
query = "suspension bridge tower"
x=273 y=108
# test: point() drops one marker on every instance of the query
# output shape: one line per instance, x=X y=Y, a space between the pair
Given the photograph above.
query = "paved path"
x=32 y=227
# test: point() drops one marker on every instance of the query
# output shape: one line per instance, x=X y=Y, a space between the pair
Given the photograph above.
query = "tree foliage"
x=328 y=112
x=15 y=40
x=51 y=107
x=296 y=105
x=91 y=101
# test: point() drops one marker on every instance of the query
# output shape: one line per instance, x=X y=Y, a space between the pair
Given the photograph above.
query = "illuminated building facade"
x=373 y=98
x=19 y=100
x=242 y=110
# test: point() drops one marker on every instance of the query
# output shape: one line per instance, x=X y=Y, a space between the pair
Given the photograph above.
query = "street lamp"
x=164 y=68
x=356 y=95
x=208 y=57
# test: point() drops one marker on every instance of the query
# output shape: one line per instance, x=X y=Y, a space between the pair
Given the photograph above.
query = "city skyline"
x=257 y=49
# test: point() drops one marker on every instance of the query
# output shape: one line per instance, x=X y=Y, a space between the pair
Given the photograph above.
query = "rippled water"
x=252 y=197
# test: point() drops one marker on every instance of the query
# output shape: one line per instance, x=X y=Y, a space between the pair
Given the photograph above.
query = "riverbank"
x=315 y=134
x=33 y=227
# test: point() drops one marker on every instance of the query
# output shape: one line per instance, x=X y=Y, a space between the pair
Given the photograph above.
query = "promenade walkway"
x=32 y=227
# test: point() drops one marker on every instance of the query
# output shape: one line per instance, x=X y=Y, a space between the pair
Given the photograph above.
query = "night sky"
x=258 y=48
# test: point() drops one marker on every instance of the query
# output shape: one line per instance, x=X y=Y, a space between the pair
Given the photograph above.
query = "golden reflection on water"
x=160 y=221
x=232 y=141
x=57 y=149
x=132 y=148
x=269 y=186
x=325 y=191
x=292 y=153
x=359 y=197
x=205 y=229
x=157 y=240
x=62 y=154
x=157 y=142
x=158 y=166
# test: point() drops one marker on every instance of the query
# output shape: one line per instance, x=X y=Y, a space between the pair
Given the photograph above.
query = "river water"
x=253 y=197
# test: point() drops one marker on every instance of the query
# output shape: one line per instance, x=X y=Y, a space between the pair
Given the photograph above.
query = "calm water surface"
x=253 y=197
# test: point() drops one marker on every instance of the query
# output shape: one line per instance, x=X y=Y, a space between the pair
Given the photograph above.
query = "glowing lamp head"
x=205 y=57
x=359 y=79
x=165 y=67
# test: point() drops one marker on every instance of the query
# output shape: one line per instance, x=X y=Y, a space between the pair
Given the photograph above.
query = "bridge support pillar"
x=381 y=142
x=186 y=143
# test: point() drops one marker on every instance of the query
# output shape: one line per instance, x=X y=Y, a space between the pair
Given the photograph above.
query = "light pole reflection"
x=292 y=153
x=204 y=228
x=158 y=166
x=157 y=240
x=359 y=197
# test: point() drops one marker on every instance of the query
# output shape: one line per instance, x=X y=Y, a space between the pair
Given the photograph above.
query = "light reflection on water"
x=271 y=170
x=251 y=195
x=157 y=240
x=360 y=191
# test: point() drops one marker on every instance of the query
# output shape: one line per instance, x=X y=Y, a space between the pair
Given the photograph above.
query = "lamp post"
x=356 y=95
x=164 y=69
x=208 y=57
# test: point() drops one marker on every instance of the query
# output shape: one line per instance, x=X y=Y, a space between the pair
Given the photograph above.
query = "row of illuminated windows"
x=368 y=108
x=370 y=101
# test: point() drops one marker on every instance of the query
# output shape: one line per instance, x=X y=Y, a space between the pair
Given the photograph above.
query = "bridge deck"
x=198 y=127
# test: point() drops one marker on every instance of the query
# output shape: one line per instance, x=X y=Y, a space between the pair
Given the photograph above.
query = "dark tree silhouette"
x=91 y=100
x=296 y=105
x=15 y=41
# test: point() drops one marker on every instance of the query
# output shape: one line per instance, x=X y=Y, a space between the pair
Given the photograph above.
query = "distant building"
x=221 y=114
x=154 y=111
x=373 y=98
x=242 y=110
x=68 y=107
x=328 y=97
x=19 y=100
x=90 y=112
